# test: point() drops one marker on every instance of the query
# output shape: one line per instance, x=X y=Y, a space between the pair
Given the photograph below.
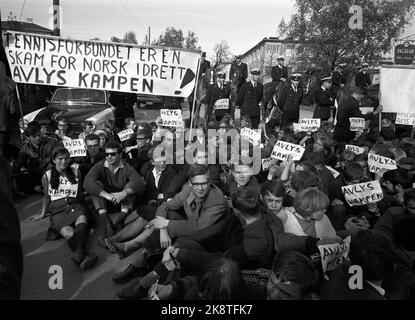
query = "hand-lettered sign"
x=76 y=147
x=41 y=59
x=377 y=163
x=284 y=149
x=363 y=193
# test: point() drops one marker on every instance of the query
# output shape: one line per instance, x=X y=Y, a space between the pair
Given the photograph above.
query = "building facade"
x=263 y=56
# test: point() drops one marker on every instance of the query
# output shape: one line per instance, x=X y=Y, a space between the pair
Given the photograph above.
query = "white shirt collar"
x=121 y=165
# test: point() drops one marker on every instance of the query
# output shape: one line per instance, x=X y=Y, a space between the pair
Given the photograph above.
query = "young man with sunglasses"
x=113 y=182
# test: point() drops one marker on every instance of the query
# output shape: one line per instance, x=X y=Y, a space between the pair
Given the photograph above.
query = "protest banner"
x=405 y=118
x=222 y=104
x=268 y=163
x=76 y=147
x=377 y=163
x=171 y=117
x=310 y=124
x=333 y=172
x=53 y=61
x=363 y=193
x=284 y=149
x=355 y=149
x=125 y=134
x=357 y=123
x=333 y=255
x=251 y=135
x=65 y=189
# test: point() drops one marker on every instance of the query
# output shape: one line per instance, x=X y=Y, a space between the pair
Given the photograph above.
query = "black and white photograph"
x=209 y=154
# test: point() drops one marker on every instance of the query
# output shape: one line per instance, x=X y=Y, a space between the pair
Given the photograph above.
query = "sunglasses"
x=112 y=154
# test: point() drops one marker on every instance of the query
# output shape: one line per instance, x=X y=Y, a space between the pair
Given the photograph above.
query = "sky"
x=242 y=23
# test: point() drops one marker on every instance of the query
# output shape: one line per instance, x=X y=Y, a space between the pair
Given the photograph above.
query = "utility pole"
x=149 y=36
x=56 y=18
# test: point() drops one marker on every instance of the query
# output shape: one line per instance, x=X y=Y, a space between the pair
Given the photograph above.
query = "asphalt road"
x=41 y=255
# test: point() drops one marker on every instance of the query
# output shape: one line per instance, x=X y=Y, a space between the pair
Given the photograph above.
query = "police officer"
x=362 y=79
x=249 y=99
x=215 y=92
x=338 y=78
x=279 y=72
x=324 y=99
x=238 y=73
x=289 y=99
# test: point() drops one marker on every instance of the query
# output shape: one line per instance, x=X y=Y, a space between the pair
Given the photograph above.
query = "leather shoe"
x=129 y=273
x=133 y=292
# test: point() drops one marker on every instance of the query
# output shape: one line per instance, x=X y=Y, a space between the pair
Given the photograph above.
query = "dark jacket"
x=35 y=159
x=324 y=101
x=11 y=257
x=338 y=78
x=86 y=163
x=249 y=99
x=151 y=191
x=277 y=73
x=363 y=79
x=100 y=178
x=289 y=102
x=337 y=288
x=348 y=108
x=214 y=92
x=211 y=209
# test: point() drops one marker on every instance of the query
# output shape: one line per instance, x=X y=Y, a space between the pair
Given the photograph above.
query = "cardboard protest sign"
x=268 y=163
x=254 y=136
x=405 y=119
x=65 y=189
x=171 y=117
x=284 y=149
x=333 y=255
x=357 y=123
x=310 y=124
x=397 y=92
x=376 y=163
x=333 y=172
x=355 y=149
x=363 y=193
x=40 y=59
x=125 y=134
x=76 y=147
x=222 y=104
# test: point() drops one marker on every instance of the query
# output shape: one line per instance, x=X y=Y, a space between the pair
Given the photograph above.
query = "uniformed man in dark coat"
x=279 y=72
x=363 y=78
x=324 y=100
x=338 y=78
x=215 y=92
x=349 y=108
x=204 y=64
x=238 y=73
x=249 y=99
x=289 y=100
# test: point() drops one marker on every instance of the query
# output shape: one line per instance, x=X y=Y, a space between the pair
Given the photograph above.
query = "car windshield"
x=79 y=95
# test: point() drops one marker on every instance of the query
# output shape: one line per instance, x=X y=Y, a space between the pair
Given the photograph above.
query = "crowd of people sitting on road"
x=201 y=228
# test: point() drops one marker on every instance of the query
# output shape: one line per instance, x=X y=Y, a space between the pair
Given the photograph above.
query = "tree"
x=130 y=37
x=190 y=42
x=222 y=56
x=174 y=38
x=323 y=25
